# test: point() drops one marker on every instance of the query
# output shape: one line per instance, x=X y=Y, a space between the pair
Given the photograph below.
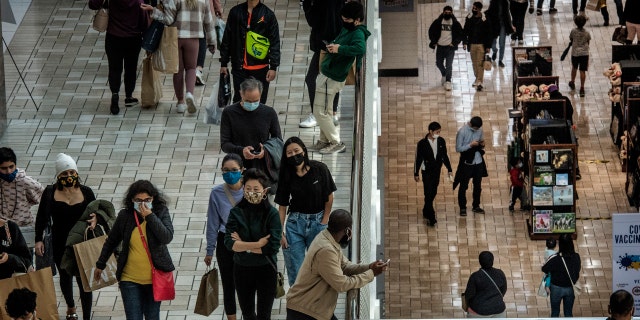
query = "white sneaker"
x=334 y=148
x=181 y=107
x=443 y=80
x=309 y=122
x=199 y=78
x=475 y=83
x=191 y=105
x=447 y=86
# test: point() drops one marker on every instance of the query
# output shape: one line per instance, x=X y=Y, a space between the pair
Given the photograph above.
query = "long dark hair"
x=232 y=157
x=565 y=245
x=145 y=186
x=287 y=170
x=256 y=174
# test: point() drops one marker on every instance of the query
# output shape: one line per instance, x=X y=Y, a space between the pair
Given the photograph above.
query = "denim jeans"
x=558 y=294
x=300 y=230
x=445 y=53
x=138 y=300
x=501 y=38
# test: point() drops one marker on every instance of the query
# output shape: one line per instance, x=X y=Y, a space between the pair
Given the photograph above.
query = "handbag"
x=280 y=292
x=620 y=34
x=86 y=254
x=151 y=37
x=164 y=287
x=577 y=290
x=542 y=288
x=224 y=90
x=487 y=63
x=165 y=59
x=566 y=51
x=40 y=282
x=46 y=260
x=101 y=20
x=151 y=91
x=207 y=300
x=463 y=297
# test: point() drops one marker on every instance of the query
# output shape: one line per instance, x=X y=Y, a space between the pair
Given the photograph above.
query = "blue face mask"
x=136 y=206
x=232 y=177
x=250 y=106
x=9 y=177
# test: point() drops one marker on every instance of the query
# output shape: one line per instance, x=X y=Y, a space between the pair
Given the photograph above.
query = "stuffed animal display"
x=614 y=73
x=533 y=92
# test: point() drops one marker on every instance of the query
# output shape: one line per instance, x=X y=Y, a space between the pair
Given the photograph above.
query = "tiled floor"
x=64 y=63
x=65 y=66
x=432 y=264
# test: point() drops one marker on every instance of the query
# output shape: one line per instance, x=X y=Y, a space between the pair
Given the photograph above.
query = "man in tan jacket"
x=326 y=271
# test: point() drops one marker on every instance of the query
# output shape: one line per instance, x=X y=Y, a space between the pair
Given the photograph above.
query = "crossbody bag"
x=577 y=290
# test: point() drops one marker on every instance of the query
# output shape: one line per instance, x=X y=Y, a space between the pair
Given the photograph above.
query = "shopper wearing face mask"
x=253 y=232
x=306 y=189
x=431 y=154
x=247 y=125
x=224 y=197
x=477 y=40
x=326 y=272
x=445 y=34
x=61 y=206
x=470 y=145
x=145 y=212
x=517 y=183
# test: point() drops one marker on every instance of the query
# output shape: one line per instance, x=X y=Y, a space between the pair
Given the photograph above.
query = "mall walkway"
x=64 y=63
x=431 y=265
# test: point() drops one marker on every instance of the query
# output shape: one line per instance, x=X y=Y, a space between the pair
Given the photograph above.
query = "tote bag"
x=207 y=300
x=40 y=282
x=87 y=253
x=151 y=85
x=165 y=59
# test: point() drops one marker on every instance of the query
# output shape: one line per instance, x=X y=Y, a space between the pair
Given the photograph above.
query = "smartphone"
x=387 y=262
x=326 y=43
x=256 y=151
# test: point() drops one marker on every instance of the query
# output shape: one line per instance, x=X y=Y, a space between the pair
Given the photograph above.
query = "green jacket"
x=106 y=216
x=251 y=225
x=353 y=45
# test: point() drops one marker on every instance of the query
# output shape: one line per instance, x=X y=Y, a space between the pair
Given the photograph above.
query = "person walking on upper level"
x=632 y=20
x=477 y=40
x=485 y=290
x=470 y=145
x=251 y=42
x=194 y=20
x=445 y=34
x=431 y=154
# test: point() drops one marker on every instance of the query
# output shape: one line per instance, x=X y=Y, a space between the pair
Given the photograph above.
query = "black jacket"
x=19 y=253
x=263 y=22
x=477 y=30
x=323 y=16
x=631 y=9
x=159 y=235
x=424 y=154
x=495 y=15
x=436 y=28
x=555 y=267
x=482 y=295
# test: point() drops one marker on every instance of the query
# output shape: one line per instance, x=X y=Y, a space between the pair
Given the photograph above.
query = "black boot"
x=115 y=109
x=605 y=15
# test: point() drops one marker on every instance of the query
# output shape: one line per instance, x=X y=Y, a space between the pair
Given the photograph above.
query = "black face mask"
x=344 y=241
x=295 y=160
x=446 y=16
x=475 y=12
x=349 y=25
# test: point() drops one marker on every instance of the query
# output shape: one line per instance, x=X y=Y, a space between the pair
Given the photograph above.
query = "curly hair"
x=20 y=302
x=143 y=186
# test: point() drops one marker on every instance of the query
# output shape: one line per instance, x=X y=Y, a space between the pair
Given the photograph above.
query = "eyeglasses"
x=225 y=170
x=143 y=200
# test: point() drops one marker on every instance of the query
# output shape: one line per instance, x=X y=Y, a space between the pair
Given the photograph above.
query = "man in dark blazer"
x=431 y=153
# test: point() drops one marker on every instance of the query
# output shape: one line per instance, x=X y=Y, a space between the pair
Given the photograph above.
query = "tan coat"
x=324 y=273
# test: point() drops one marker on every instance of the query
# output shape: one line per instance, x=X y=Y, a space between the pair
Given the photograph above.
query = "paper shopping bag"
x=87 y=253
x=151 y=85
x=40 y=282
x=165 y=59
x=207 y=300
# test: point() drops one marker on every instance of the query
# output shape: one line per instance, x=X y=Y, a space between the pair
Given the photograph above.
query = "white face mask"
x=435 y=136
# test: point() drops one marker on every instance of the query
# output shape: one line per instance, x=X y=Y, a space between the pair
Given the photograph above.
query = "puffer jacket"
x=106 y=215
x=263 y=22
x=159 y=235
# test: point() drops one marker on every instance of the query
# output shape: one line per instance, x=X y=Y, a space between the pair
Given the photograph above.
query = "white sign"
x=626 y=255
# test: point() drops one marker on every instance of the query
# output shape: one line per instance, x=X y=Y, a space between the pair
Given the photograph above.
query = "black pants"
x=66 y=286
x=240 y=75
x=295 y=315
x=202 y=52
x=574 y=5
x=430 y=182
x=122 y=51
x=516 y=193
x=225 y=263
x=310 y=80
x=469 y=172
x=260 y=280
x=518 y=11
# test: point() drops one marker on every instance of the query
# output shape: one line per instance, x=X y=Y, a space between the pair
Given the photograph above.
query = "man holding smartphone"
x=470 y=145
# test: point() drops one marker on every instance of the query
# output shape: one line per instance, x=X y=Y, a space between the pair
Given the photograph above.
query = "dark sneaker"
x=479 y=87
x=539 y=12
x=319 y=145
x=115 y=108
x=432 y=223
x=130 y=102
x=500 y=64
x=478 y=210
x=553 y=10
x=572 y=85
x=494 y=56
x=463 y=212
x=581 y=92
x=511 y=208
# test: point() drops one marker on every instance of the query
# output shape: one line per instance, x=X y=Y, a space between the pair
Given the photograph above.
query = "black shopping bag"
x=224 y=91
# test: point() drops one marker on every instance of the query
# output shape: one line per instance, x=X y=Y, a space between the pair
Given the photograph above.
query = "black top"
x=309 y=193
x=14 y=245
x=631 y=9
x=482 y=295
x=559 y=276
x=323 y=16
x=477 y=30
x=159 y=235
x=424 y=154
x=500 y=16
x=435 y=30
x=63 y=217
